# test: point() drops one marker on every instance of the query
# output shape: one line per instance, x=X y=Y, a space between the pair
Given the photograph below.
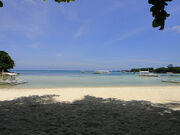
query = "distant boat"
x=101 y=72
x=170 y=74
x=147 y=74
x=83 y=71
x=11 y=78
x=170 y=81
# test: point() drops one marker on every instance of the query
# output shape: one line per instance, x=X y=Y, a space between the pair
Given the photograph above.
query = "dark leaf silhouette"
x=159 y=13
x=1 y=4
x=63 y=0
x=6 y=62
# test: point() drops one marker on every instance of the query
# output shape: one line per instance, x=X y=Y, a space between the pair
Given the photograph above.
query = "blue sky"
x=88 y=34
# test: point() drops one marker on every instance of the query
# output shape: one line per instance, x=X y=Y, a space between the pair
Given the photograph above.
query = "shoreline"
x=123 y=86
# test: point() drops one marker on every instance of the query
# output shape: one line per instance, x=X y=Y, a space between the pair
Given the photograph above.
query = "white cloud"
x=176 y=28
x=80 y=32
x=31 y=31
x=32 y=23
x=129 y=33
x=34 y=31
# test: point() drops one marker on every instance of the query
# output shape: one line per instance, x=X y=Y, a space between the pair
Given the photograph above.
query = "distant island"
x=170 y=68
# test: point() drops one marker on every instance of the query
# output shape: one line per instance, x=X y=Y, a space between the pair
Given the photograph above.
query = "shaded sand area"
x=106 y=111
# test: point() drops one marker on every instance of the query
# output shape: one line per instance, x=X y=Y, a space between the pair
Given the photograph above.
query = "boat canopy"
x=9 y=74
x=101 y=72
x=144 y=71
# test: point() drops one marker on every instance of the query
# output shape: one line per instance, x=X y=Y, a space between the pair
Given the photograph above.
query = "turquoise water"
x=60 y=78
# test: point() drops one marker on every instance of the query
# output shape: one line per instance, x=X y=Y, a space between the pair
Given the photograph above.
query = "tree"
x=158 y=11
x=5 y=61
x=150 y=69
x=170 y=65
x=62 y=0
x=1 y=4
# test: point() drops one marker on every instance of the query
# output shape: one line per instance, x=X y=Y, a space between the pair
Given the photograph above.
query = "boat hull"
x=170 y=81
x=149 y=75
x=12 y=83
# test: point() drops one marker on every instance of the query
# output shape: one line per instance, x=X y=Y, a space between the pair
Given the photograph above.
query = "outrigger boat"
x=147 y=74
x=101 y=72
x=170 y=81
x=10 y=78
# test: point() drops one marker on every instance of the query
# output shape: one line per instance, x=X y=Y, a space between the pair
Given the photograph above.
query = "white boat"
x=171 y=74
x=147 y=74
x=10 y=78
x=83 y=71
x=101 y=72
x=170 y=81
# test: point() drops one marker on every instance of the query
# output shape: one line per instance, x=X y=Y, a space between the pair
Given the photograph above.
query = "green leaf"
x=5 y=61
x=159 y=13
x=63 y=1
x=155 y=24
x=162 y=26
x=1 y=4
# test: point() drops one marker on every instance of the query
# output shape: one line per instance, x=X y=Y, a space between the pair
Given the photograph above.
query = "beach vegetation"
x=170 y=65
x=158 y=11
x=142 y=69
x=6 y=62
x=169 y=68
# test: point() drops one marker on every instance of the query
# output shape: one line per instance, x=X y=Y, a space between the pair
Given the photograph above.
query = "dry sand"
x=89 y=115
x=155 y=94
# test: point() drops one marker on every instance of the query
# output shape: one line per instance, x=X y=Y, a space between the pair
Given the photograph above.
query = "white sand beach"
x=154 y=94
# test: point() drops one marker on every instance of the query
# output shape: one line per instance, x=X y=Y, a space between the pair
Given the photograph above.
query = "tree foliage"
x=5 y=61
x=170 y=65
x=169 y=68
x=158 y=11
x=142 y=69
x=1 y=4
x=63 y=1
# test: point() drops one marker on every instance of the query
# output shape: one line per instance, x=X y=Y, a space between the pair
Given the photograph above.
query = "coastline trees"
x=142 y=69
x=5 y=61
x=169 y=68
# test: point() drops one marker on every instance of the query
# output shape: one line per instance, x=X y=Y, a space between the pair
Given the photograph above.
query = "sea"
x=75 y=78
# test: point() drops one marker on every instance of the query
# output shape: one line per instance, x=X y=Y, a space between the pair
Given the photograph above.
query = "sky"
x=88 y=35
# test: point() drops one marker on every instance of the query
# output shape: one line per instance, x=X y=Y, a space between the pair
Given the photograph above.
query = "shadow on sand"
x=90 y=116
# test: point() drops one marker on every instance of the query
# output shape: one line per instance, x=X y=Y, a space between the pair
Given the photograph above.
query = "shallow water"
x=61 y=78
